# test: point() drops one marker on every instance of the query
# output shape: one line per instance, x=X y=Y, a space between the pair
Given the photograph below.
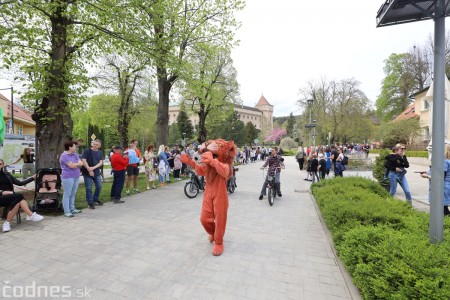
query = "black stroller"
x=47 y=193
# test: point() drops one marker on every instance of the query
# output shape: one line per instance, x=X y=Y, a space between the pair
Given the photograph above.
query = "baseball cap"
x=117 y=148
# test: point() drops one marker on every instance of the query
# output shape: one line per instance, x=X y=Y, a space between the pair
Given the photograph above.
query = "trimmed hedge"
x=383 y=242
x=408 y=153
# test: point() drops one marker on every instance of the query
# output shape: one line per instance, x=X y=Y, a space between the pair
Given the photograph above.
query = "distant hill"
x=281 y=120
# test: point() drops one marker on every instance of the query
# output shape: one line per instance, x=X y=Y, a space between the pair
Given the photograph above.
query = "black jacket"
x=393 y=161
x=7 y=181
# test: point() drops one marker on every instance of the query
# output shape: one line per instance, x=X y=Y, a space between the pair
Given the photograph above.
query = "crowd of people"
x=318 y=162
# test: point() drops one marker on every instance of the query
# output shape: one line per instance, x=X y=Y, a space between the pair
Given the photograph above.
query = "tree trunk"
x=162 y=121
x=202 y=132
x=52 y=116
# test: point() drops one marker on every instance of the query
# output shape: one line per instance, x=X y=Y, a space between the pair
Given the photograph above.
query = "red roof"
x=408 y=113
x=263 y=101
x=19 y=112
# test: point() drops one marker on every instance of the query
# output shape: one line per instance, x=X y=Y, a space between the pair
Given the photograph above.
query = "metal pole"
x=12 y=109
x=437 y=159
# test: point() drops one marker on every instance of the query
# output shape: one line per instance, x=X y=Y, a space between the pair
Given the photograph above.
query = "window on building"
x=426 y=133
x=426 y=104
x=20 y=130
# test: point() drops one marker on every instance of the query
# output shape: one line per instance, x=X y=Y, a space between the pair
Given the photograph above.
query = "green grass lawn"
x=80 y=198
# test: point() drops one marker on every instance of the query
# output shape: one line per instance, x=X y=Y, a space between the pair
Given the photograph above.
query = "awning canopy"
x=394 y=12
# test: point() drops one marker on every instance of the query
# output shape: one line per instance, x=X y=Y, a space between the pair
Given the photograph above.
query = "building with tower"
x=261 y=115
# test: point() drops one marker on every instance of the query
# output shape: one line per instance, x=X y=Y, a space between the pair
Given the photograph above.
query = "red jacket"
x=118 y=162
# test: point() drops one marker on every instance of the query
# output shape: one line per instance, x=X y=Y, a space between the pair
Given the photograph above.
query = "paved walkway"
x=154 y=247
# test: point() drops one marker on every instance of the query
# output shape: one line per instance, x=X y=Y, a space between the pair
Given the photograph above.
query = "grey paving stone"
x=154 y=247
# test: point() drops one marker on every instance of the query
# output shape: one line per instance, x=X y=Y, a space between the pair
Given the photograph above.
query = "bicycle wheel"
x=231 y=186
x=270 y=196
x=191 y=189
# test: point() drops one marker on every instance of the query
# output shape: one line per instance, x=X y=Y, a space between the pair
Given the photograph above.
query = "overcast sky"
x=285 y=43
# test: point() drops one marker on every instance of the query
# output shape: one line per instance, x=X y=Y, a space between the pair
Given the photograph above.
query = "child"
x=322 y=166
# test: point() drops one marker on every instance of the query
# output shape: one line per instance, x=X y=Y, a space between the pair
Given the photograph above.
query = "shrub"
x=288 y=143
x=383 y=242
x=378 y=168
x=408 y=153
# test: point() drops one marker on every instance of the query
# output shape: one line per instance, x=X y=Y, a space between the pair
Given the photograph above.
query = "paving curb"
x=354 y=292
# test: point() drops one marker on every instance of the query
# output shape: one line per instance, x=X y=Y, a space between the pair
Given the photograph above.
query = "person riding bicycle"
x=275 y=163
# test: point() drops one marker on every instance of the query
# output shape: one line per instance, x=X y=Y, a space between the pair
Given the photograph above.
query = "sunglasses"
x=403 y=148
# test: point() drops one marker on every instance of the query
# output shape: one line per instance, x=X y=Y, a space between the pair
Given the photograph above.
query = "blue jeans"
x=266 y=182
x=70 y=186
x=167 y=173
x=395 y=177
x=117 y=186
x=88 y=185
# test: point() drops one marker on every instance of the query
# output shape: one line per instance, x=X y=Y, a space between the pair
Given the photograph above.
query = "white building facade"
x=261 y=115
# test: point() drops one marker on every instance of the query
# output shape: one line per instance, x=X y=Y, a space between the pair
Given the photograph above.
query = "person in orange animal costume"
x=217 y=167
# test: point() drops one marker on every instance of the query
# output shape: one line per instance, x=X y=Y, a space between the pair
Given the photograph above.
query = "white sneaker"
x=35 y=217
x=6 y=226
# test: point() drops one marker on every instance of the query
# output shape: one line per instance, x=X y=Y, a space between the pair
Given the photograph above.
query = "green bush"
x=378 y=169
x=383 y=242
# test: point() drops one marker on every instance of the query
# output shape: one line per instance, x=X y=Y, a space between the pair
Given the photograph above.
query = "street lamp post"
x=310 y=103
x=12 y=106
x=314 y=124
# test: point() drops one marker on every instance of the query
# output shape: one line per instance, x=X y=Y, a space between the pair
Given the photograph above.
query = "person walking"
x=300 y=156
x=92 y=161
x=119 y=164
x=396 y=164
x=28 y=163
x=70 y=164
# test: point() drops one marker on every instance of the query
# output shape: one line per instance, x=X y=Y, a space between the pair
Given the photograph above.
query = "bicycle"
x=194 y=185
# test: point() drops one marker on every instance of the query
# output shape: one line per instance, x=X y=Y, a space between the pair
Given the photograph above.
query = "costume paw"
x=184 y=158
x=207 y=158
x=211 y=238
x=217 y=250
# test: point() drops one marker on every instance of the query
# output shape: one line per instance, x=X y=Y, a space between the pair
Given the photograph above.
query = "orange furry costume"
x=217 y=158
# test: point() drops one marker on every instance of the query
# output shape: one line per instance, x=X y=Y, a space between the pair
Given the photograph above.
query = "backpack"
x=345 y=160
x=299 y=155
